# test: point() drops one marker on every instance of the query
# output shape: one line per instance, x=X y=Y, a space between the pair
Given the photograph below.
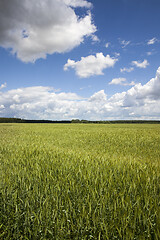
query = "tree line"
x=19 y=120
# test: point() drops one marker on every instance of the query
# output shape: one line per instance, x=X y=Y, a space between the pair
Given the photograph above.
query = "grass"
x=80 y=181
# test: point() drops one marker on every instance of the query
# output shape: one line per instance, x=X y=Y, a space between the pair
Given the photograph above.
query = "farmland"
x=80 y=181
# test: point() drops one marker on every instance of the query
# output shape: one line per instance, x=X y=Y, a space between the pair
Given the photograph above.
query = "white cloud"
x=149 y=53
x=95 y=38
x=124 y=43
x=116 y=54
x=117 y=81
x=3 y=85
x=139 y=102
x=107 y=44
x=127 y=69
x=77 y=3
x=91 y=65
x=2 y=106
x=98 y=97
x=33 y=29
x=139 y=64
x=121 y=81
x=152 y=41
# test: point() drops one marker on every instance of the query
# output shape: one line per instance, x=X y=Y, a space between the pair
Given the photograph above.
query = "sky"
x=80 y=59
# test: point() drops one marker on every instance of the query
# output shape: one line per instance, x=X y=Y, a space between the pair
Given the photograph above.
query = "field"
x=80 y=181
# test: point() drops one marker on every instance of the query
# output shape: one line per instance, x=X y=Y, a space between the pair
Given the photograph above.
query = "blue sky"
x=63 y=59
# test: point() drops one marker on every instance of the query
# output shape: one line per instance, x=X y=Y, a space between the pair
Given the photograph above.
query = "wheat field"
x=80 y=181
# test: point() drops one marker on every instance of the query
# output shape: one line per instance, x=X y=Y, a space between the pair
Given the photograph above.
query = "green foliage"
x=19 y=120
x=79 y=181
x=10 y=120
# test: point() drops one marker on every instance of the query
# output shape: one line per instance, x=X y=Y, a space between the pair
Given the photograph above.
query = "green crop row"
x=79 y=181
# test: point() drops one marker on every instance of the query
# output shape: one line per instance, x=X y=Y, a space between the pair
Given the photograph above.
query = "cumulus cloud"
x=98 y=97
x=127 y=69
x=152 y=41
x=139 y=64
x=37 y=103
x=121 y=81
x=33 y=29
x=139 y=102
x=117 y=81
x=91 y=65
x=149 y=91
x=3 y=85
x=1 y=106
x=77 y=3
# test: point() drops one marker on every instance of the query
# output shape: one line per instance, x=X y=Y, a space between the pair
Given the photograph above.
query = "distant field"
x=80 y=181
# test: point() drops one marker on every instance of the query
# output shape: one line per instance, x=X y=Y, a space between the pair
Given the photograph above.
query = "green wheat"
x=80 y=181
